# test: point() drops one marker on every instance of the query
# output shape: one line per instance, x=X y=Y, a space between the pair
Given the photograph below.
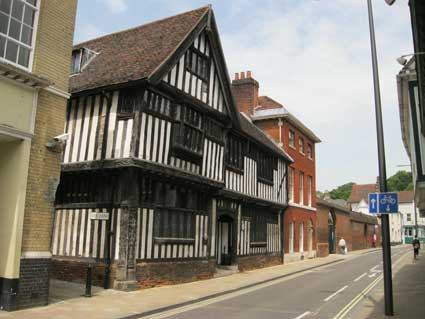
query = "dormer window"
x=80 y=59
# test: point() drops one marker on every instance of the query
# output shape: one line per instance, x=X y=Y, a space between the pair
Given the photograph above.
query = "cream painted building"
x=34 y=66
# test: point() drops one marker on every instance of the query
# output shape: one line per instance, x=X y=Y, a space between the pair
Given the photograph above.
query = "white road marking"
x=372 y=275
x=360 y=277
x=303 y=315
x=344 y=311
x=373 y=268
x=335 y=293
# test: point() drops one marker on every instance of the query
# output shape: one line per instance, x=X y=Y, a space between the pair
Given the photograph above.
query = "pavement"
x=408 y=292
x=117 y=304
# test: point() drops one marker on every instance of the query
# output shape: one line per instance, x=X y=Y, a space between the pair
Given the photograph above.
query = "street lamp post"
x=386 y=248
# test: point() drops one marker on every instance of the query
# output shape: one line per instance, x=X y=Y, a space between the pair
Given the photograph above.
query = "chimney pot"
x=242 y=75
x=236 y=76
x=248 y=74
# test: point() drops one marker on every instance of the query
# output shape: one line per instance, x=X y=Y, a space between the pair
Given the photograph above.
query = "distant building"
x=411 y=217
x=298 y=141
x=358 y=199
x=359 y=202
x=35 y=51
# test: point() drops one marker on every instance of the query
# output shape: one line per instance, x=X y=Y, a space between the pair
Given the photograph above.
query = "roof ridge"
x=208 y=6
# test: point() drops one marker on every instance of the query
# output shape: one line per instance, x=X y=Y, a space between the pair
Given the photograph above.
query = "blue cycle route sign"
x=383 y=203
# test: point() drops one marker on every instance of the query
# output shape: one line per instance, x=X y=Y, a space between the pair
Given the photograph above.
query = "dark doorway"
x=331 y=233
x=225 y=240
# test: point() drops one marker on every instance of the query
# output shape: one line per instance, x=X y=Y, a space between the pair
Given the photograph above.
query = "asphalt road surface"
x=319 y=293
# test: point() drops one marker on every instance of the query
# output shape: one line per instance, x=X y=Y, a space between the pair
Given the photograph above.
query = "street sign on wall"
x=383 y=203
x=99 y=215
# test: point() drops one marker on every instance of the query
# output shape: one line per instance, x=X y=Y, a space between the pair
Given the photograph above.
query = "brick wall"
x=246 y=263
x=297 y=216
x=53 y=47
x=357 y=233
x=33 y=282
x=43 y=173
x=52 y=59
x=165 y=273
x=75 y=270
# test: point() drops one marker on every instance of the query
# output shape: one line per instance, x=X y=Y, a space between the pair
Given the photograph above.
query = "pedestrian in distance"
x=342 y=246
x=416 y=246
x=373 y=240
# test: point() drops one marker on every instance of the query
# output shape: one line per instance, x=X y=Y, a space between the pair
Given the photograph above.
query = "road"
x=319 y=293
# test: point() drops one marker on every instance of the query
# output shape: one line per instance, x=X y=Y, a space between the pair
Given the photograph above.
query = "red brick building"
x=334 y=222
x=297 y=141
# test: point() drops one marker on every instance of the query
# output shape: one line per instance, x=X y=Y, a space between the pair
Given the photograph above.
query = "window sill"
x=234 y=169
x=165 y=240
x=185 y=153
x=265 y=181
x=258 y=244
x=293 y=147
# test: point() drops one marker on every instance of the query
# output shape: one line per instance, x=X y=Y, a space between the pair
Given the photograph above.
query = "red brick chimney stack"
x=245 y=92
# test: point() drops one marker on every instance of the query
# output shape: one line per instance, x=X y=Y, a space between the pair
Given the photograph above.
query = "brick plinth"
x=166 y=273
x=75 y=270
x=34 y=282
x=258 y=261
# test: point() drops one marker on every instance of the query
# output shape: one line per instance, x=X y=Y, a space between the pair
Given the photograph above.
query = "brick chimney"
x=245 y=92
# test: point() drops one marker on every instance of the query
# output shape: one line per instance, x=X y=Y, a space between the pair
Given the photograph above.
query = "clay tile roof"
x=135 y=53
x=405 y=197
x=361 y=191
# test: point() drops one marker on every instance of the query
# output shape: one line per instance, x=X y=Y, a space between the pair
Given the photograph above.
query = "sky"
x=313 y=56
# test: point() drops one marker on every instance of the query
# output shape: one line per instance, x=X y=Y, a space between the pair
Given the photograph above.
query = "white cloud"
x=315 y=59
x=115 y=6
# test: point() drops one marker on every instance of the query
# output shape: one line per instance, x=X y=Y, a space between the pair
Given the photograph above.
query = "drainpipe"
x=282 y=212
x=108 y=241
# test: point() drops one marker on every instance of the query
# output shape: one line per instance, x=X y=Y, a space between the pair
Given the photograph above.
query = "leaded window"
x=234 y=152
x=213 y=130
x=198 y=64
x=188 y=132
x=265 y=165
x=18 y=20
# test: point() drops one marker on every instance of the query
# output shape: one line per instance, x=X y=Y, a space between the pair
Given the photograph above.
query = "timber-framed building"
x=162 y=179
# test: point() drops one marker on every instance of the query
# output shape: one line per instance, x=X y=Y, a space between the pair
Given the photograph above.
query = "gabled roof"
x=136 y=53
x=258 y=135
x=406 y=197
x=361 y=191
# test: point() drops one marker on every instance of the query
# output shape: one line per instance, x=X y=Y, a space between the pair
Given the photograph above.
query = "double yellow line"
x=344 y=311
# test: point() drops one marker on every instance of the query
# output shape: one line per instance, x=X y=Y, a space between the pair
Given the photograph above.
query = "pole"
x=386 y=248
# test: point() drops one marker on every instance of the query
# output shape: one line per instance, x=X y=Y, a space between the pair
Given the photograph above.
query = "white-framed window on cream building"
x=18 y=28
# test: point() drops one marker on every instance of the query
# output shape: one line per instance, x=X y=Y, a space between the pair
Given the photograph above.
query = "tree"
x=342 y=192
x=400 y=181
